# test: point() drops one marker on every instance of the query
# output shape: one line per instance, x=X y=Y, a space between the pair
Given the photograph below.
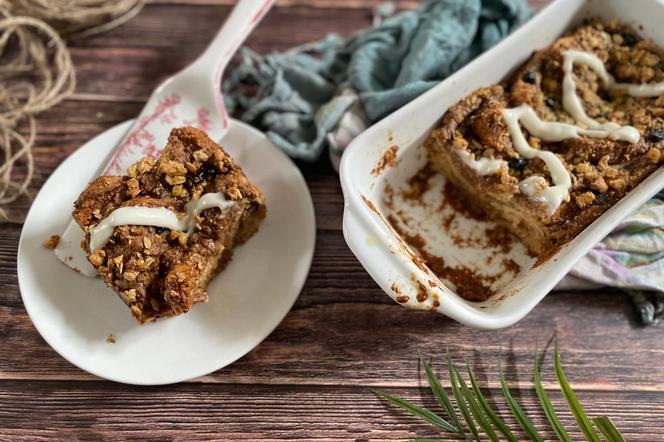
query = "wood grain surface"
x=309 y=379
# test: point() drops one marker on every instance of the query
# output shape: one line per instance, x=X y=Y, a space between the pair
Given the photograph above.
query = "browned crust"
x=158 y=272
x=602 y=171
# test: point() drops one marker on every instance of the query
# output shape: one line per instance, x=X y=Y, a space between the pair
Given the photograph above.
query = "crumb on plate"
x=52 y=242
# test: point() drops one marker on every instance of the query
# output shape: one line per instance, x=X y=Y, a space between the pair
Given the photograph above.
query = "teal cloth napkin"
x=297 y=97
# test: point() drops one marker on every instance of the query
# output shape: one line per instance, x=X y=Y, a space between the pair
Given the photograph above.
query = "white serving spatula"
x=190 y=97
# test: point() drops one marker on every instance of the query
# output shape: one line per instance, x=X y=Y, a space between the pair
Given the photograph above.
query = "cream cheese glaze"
x=482 y=166
x=536 y=187
x=573 y=105
x=550 y=196
x=155 y=216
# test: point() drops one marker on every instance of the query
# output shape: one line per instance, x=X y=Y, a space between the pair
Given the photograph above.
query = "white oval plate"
x=75 y=314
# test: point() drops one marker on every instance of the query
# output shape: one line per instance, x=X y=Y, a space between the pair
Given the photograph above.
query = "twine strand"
x=36 y=73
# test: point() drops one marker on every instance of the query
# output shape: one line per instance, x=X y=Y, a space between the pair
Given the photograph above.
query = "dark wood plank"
x=309 y=379
x=118 y=70
x=185 y=412
x=325 y=339
x=172 y=35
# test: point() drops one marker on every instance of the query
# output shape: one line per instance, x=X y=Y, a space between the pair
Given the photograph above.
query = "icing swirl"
x=536 y=187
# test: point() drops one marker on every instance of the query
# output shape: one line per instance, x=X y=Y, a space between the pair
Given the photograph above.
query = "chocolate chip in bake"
x=530 y=77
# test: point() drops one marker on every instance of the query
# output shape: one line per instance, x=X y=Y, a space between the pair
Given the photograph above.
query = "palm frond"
x=441 y=395
x=575 y=407
x=521 y=418
x=461 y=403
x=420 y=412
x=476 y=411
x=609 y=430
x=549 y=411
x=497 y=421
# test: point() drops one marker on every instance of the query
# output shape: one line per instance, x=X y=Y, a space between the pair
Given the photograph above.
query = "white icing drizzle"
x=536 y=187
x=593 y=62
x=532 y=186
x=572 y=101
x=155 y=216
x=550 y=196
x=483 y=166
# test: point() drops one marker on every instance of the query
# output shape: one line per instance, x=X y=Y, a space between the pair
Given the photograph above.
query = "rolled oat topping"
x=163 y=270
x=601 y=169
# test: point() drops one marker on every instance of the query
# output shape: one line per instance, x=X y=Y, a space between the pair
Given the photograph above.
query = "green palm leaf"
x=420 y=412
x=442 y=397
x=577 y=410
x=522 y=419
x=497 y=421
x=609 y=430
x=476 y=411
x=475 y=408
x=550 y=413
x=461 y=404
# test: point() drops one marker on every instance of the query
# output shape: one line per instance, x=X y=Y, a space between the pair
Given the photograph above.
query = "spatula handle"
x=243 y=19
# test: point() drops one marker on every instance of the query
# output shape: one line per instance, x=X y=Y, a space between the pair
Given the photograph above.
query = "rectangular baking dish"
x=367 y=169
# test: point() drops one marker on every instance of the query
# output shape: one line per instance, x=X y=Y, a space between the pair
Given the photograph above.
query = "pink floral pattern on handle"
x=147 y=136
x=141 y=141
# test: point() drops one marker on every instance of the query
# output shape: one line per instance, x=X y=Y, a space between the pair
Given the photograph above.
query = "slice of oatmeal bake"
x=158 y=235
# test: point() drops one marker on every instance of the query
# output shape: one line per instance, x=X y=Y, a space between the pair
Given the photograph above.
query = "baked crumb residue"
x=402 y=299
x=416 y=259
x=500 y=238
x=111 y=339
x=388 y=196
x=418 y=184
x=52 y=242
x=511 y=266
x=370 y=205
x=469 y=282
x=422 y=293
x=389 y=159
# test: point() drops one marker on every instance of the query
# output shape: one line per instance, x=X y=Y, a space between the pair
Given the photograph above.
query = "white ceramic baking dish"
x=390 y=261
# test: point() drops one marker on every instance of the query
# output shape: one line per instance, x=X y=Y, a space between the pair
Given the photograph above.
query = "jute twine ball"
x=36 y=73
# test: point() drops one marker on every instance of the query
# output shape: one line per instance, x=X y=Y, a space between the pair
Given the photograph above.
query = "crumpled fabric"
x=296 y=97
x=630 y=258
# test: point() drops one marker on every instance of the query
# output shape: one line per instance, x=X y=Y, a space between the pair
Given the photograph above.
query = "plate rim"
x=124 y=127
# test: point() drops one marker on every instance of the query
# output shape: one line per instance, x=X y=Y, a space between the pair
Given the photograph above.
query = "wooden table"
x=310 y=378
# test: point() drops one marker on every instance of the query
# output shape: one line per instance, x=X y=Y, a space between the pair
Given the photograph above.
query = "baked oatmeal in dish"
x=577 y=127
x=158 y=235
